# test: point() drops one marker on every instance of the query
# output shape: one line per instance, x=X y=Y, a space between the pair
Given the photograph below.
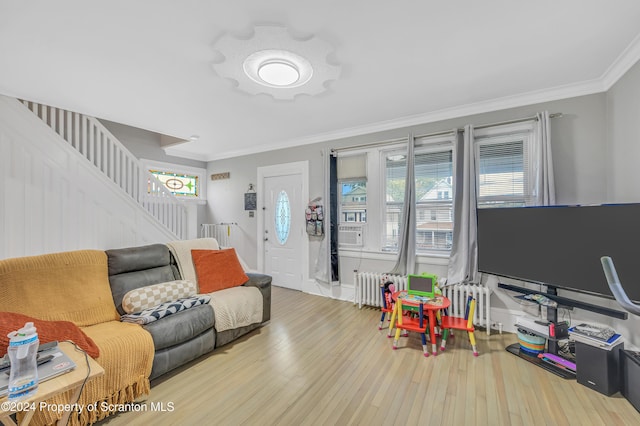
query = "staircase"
x=95 y=143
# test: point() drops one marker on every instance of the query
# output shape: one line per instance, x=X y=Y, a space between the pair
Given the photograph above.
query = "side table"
x=69 y=381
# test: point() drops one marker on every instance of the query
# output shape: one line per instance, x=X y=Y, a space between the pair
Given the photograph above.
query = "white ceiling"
x=148 y=63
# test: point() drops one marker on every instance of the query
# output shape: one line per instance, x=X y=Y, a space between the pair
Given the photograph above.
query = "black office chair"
x=616 y=286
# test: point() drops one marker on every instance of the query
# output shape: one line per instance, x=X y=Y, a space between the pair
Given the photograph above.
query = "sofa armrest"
x=263 y=283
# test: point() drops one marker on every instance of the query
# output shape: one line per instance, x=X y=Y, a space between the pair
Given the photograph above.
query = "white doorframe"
x=299 y=167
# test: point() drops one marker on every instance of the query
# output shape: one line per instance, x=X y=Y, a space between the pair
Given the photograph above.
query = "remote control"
x=47 y=346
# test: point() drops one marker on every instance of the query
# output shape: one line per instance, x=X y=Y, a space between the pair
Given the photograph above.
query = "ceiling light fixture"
x=278 y=73
x=277 y=68
x=295 y=67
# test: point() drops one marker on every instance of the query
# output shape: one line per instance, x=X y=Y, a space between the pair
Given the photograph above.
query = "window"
x=395 y=168
x=504 y=155
x=434 y=189
x=352 y=184
x=179 y=184
x=187 y=183
x=503 y=170
x=282 y=218
x=353 y=201
x=434 y=204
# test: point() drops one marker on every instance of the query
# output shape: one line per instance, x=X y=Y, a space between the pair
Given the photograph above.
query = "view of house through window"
x=353 y=201
x=503 y=180
x=434 y=199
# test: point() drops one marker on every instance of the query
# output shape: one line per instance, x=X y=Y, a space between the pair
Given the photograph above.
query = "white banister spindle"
x=98 y=141
x=53 y=123
x=135 y=188
x=83 y=136
x=104 y=141
x=113 y=152
x=76 y=131
x=61 y=114
x=117 y=163
x=69 y=127
x=92 y=142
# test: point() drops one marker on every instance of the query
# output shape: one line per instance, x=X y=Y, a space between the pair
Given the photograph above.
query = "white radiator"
x=222 y=232
x=367 y=286
x=458 y=294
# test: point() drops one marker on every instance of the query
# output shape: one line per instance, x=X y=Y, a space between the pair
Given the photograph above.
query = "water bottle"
x=23 y=350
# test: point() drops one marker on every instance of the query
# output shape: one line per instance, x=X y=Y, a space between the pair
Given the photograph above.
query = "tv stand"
x=552 y=294
x=552 y=315
x=558 y=371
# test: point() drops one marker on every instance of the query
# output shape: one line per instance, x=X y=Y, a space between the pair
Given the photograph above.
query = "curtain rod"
x=368 y=145
x=484 y=126
x=441 y=133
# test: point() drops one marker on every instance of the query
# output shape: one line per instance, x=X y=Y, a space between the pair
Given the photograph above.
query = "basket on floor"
x=531 y=343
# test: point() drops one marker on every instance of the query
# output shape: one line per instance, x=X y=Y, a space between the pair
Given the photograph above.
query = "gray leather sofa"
x=186 y=335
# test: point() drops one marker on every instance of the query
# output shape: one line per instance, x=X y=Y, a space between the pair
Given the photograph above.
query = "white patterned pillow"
x=153 y=295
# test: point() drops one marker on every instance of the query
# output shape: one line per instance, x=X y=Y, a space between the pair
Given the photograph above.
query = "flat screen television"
x=561 y=246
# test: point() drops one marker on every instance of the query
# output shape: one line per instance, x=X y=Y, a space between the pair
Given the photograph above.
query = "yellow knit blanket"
x=74 y=286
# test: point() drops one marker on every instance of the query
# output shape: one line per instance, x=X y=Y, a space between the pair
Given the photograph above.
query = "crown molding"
x=622 y=64
x=618 y=68
x=513 y=101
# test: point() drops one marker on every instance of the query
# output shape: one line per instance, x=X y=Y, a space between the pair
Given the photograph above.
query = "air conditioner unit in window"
x=350 y=235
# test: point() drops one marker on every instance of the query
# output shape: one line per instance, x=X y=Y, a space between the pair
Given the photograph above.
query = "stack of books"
x=601 y=337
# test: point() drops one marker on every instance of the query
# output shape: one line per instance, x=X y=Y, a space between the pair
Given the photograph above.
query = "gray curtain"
x=406 y=261
x=463 y=261
x=322 y=270
x=544 y=191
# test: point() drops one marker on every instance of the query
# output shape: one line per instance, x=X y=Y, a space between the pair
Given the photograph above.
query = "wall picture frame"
x=250 y=201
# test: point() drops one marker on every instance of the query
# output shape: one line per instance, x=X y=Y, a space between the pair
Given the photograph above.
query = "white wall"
x=52 y=199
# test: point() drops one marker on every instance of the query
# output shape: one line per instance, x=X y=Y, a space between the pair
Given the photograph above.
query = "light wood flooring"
x=324 y=362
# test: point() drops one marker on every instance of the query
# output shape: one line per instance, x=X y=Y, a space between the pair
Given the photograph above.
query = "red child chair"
x=412 y=323
x=464 y=324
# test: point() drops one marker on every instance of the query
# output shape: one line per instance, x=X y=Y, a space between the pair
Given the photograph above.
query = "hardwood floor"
x=324 y=362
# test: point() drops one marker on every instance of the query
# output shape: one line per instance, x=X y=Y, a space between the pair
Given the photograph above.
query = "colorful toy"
x=386 y=288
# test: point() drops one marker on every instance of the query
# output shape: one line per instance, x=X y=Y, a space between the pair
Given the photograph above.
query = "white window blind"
x=503 y=172
x=352 y=167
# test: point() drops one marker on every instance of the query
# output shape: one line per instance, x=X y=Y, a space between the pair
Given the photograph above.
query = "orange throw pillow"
x=217 y=269
x=48 y=331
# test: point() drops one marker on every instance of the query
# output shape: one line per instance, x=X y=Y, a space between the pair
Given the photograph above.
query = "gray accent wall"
x=623 y=134
x=595 y=147
x=579 y=147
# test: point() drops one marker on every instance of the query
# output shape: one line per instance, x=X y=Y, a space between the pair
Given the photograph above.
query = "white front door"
x=283 y=229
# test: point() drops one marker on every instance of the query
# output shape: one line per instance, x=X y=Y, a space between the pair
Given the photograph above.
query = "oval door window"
x=282 y=217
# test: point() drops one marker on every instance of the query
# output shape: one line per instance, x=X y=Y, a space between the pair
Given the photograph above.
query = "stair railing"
x=91 y=139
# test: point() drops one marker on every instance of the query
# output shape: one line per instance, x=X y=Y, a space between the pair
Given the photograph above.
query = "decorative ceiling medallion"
x=273 y=62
